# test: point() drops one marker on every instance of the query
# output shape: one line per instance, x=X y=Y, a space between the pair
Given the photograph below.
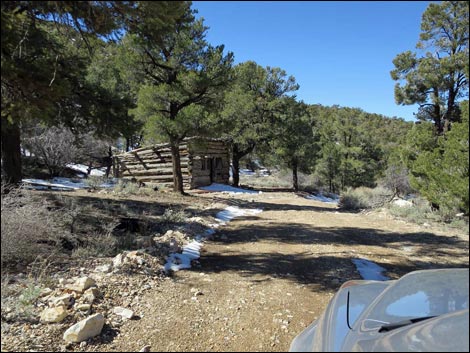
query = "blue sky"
x=340 y=52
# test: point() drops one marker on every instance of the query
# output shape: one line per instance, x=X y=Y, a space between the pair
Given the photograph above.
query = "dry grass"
x=29 y=228
x=364 y=198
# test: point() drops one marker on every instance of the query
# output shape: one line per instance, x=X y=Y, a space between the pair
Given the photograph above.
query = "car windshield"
x=428 y=294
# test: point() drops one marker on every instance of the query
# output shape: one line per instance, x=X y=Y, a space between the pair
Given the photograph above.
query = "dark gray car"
x=424 y=311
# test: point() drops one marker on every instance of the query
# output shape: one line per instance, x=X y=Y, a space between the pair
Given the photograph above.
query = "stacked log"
x=154 y=163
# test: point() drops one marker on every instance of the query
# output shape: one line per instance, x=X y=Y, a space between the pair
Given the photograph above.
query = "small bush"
x=396 y=178
x=420 y=212
x=174 y=216
x=20 y=295
x=126 y=187
x=95 y=182
x=53 y=147
x=364 y=198
x=97 y=245
x=28 y=228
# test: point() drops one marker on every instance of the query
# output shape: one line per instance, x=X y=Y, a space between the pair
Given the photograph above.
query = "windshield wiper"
x=390 y=327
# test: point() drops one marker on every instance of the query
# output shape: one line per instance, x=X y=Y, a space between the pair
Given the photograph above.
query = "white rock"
x=65 y=300
x=118 y=260
x=45 y=292
x=104 y=268
x=196 y=291
x=127 y=313
x=89 y=327
x=91 y=294
x=83 y=307
x=82 y=284
x=402 y=203
x=56 y=314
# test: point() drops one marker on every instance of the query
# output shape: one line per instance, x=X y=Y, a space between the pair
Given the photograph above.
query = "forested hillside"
x=143 y=72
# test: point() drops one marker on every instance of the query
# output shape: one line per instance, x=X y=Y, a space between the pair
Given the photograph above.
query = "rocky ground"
x=260 y=280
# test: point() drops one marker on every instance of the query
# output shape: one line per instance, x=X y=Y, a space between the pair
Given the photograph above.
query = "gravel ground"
x=259 y=281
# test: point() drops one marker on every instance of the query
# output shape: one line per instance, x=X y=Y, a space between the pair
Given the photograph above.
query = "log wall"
x=203 y=161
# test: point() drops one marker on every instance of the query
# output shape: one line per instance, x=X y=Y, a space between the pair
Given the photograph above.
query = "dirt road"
x=263 y=278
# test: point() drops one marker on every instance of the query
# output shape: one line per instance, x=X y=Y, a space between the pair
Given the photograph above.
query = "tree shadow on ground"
x=326 y=271
x=267 y=206
x=298 y=233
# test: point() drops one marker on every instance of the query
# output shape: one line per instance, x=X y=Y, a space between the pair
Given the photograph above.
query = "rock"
x=196 y=292
x=45 y=292
x=66 y=300
x=402 y=203
x=145 y=349
x=55 y=314
x=104 y=268
x=136 y=257
x=118 y=260
x=144 y=241
x=90 y=295
x=82 y=284
x=87 y=328
x=174 y=246
x=126 y=313
x=83 y=307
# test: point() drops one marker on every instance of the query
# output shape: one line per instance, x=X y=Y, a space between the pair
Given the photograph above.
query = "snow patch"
x=84 y=169
x=227 y=188
x=369 y=270
x=322 y=198
x=231 y=212
x=61 y=184
x=191 y=251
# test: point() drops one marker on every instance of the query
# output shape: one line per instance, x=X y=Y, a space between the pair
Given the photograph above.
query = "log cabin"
x=203 y=161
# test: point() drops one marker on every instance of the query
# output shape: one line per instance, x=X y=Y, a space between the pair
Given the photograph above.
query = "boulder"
x=118 y=260
x=126 y=313
x=90 y=295
x=85 y=329
x=66 y=300
x=82 y=284
x=402 y=203
x=55 y=314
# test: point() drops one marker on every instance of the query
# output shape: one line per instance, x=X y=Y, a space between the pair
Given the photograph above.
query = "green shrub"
x=364 y=198
x=420 y=212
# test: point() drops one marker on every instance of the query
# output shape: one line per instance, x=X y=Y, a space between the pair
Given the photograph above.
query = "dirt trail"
x=263 y=278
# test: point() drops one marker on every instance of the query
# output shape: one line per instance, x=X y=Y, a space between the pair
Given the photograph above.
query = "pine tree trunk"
x=177 y=174
x=236 y=170
x=11 y=152
x=238 y=154
x=295 y=179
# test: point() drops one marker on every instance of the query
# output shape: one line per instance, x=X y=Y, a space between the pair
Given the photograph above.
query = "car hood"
x=442 y=294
